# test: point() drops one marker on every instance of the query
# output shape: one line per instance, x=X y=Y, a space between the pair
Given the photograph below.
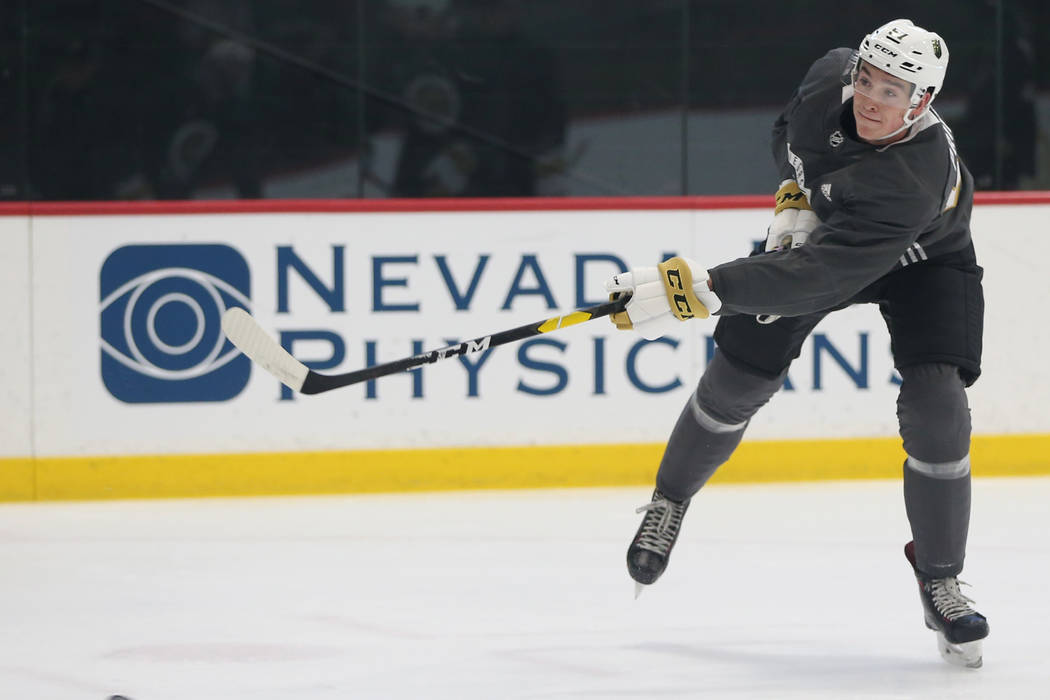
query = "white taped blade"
x=244 y=332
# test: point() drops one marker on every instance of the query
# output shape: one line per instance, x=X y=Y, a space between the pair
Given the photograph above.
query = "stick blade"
x=245 y=333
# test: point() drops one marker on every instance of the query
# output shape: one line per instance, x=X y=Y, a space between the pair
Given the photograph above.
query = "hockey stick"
x=244 y=332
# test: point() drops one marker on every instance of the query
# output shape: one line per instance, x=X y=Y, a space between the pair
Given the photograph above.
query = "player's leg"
x=711 y=425
x=934 y=313
x=935 y=424
x=748 y=368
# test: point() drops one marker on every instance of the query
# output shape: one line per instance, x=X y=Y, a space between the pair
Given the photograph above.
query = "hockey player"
x=874 y=207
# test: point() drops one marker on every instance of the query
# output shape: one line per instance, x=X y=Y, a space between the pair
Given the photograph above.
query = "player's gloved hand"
x=663 y=296
x=793 y=219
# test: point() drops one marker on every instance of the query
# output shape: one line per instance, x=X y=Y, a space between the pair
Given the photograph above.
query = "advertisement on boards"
x=129 y=357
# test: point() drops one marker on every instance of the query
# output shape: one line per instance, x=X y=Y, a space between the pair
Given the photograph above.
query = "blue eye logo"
x=160 y=317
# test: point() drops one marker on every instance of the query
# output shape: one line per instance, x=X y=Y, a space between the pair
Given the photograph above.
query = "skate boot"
x=651 y=548
x=959 y=627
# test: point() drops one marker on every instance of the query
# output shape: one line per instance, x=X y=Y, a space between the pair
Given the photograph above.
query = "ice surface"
x=774 y=591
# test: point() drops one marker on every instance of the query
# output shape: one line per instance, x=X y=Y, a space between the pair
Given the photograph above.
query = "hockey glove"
x=661 y=297
x=793 y=219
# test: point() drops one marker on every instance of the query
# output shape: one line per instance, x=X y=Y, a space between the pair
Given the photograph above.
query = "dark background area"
x=189 y=99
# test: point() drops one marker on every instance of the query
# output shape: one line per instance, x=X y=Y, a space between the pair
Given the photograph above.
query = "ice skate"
x=651 y=548
x=959 y=627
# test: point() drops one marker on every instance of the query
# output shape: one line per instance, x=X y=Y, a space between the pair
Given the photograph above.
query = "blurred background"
x=208 y=99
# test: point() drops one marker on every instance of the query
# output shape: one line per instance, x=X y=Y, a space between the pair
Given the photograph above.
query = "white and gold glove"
x=793 y=219
x=663 y=296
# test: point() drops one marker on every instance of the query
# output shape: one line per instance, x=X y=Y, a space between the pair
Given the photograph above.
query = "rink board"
x=118 y=383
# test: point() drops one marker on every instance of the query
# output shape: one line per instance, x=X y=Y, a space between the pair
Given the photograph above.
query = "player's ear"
x=922 y=104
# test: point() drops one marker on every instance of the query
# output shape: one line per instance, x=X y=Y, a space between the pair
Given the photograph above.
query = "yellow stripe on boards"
x=17 y=479
x=369 y=471
x=362 y=471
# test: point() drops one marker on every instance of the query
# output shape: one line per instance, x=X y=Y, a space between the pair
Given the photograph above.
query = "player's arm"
x=845 y=253
x=832 y=65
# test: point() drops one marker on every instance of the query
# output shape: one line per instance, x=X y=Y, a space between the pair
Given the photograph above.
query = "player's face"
x=880 y=102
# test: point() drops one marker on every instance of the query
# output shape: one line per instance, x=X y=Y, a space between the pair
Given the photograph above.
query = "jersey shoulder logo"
x=836 y=139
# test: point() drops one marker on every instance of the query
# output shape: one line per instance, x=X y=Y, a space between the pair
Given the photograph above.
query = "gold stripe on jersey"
x=951 y=196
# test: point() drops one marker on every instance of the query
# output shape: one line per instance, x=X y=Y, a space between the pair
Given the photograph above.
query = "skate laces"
x=948 y=599
x=659 y=530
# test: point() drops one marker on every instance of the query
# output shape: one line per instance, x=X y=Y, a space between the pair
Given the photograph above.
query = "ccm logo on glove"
x=793 y=218
x=679 y=285
x=790 y=196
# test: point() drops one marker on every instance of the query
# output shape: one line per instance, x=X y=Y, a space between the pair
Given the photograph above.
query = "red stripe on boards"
x=324 y=206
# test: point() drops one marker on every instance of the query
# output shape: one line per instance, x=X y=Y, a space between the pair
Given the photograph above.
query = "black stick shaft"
x=316 y=383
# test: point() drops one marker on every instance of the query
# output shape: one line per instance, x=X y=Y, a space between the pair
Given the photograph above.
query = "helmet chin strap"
x=906 y=125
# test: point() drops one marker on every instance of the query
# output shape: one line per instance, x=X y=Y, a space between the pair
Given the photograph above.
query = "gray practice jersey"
x=880 y=207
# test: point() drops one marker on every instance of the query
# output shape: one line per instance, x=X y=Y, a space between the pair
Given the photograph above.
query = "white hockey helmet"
x=910 y=53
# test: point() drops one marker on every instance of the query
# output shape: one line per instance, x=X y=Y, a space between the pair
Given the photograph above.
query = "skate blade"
x=968 y=654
